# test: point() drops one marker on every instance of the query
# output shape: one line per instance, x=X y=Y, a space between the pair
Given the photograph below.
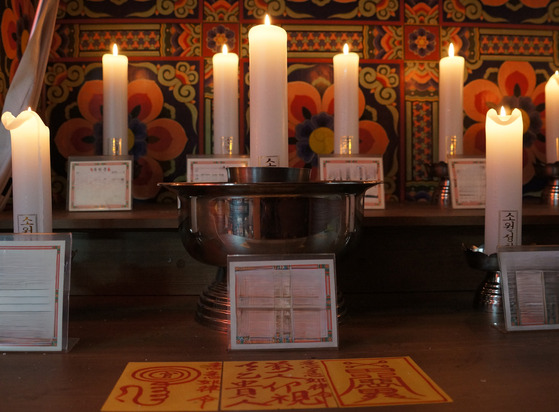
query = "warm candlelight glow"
x=503 y=112
x=268 y=95
x=267 y=20
x=346 y=102
x=451 y=100
x=224 y=49
x=115 y=101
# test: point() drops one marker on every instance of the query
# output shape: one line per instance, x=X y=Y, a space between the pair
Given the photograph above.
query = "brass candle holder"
x=441 y=194
x=550 y=193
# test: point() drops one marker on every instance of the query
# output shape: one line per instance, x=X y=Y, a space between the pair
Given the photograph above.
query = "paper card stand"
x=467 y=182
x=212 y=168
x=34 y=291
x=100 y=183
x=282 y=302
x=530 y=281
x=356 y=168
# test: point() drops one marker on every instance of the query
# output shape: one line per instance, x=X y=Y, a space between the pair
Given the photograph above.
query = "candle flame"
x=346 y=49
x=115 y=49
x=556 y=72
x=451 y=50
x=29 y=109
x=224 y=49
x=503 y=111
x=267 y=20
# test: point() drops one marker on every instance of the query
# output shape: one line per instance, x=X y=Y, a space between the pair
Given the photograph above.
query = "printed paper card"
x=282 y=303
x=34 y=288
x=467 y=182
x=212 y=168
x=356 y=168
x=311 y=384
x=100 y=183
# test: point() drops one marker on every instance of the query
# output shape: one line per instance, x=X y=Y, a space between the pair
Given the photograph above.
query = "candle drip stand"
x=441 y=195
x=488 y=297
x=550 y=193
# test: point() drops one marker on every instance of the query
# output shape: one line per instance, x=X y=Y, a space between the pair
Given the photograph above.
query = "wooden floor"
x=478 y=365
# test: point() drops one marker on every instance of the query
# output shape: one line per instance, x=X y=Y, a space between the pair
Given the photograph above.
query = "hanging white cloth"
x=25 y=88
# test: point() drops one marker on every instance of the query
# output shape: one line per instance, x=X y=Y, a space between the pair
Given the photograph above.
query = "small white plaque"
x=212 y=168
x=467 y=182
x=356 y=168
x=530 y=283
x=100 y=183
x=34 y=290
x=282 y=301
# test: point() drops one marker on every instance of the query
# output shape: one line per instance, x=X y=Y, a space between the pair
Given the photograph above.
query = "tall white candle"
x=552 y=118
x=115 y=103
x=268 y=95
x=451 y=102
x=346 y=102
x=503 y=196
x=31 y=173
x=226 y=102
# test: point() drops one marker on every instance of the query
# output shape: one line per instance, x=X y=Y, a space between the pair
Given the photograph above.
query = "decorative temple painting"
x=510 y=49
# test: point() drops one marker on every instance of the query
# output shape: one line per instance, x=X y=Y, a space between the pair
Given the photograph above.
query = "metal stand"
x=489 y=294
x=441 y=195
x=550 y=193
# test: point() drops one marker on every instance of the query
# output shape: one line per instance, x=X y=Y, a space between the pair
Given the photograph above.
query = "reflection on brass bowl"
x=267 y=174
x=220 y=219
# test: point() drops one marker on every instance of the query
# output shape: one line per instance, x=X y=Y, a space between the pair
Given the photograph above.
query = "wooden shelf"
x=148 y=216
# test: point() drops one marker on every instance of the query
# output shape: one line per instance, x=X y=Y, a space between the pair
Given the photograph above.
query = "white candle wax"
x=226 y=102
x=268 y=95
x=115 y=103
x=451 y=98
x=346 y=102
x=31 y=173
x=503 y=196
x=552 y=118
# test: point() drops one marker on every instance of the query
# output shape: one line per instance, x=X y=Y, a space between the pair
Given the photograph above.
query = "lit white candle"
x=503 y=196
x=346 y=102
x=226 y=102
x=31 y=173
x=268 y=95
x=115 y=103
x=451 y=97
x=552 y=118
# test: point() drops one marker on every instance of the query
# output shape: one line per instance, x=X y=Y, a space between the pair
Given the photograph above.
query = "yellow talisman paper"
x=381 y=381
x=272 y=385
x=176 y=386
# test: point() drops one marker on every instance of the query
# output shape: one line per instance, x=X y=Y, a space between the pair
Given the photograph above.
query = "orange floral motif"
x=516 y=87
x=16 y=25
x=311 y=122
x=152 y=140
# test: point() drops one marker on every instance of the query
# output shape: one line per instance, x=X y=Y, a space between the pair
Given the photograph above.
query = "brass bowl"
x=220 y=219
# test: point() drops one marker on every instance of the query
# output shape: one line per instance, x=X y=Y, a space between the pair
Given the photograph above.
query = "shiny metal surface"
x=441 y=195
x=489 y=296
x=550 y=193
x=267 y=174
x=220 y=219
